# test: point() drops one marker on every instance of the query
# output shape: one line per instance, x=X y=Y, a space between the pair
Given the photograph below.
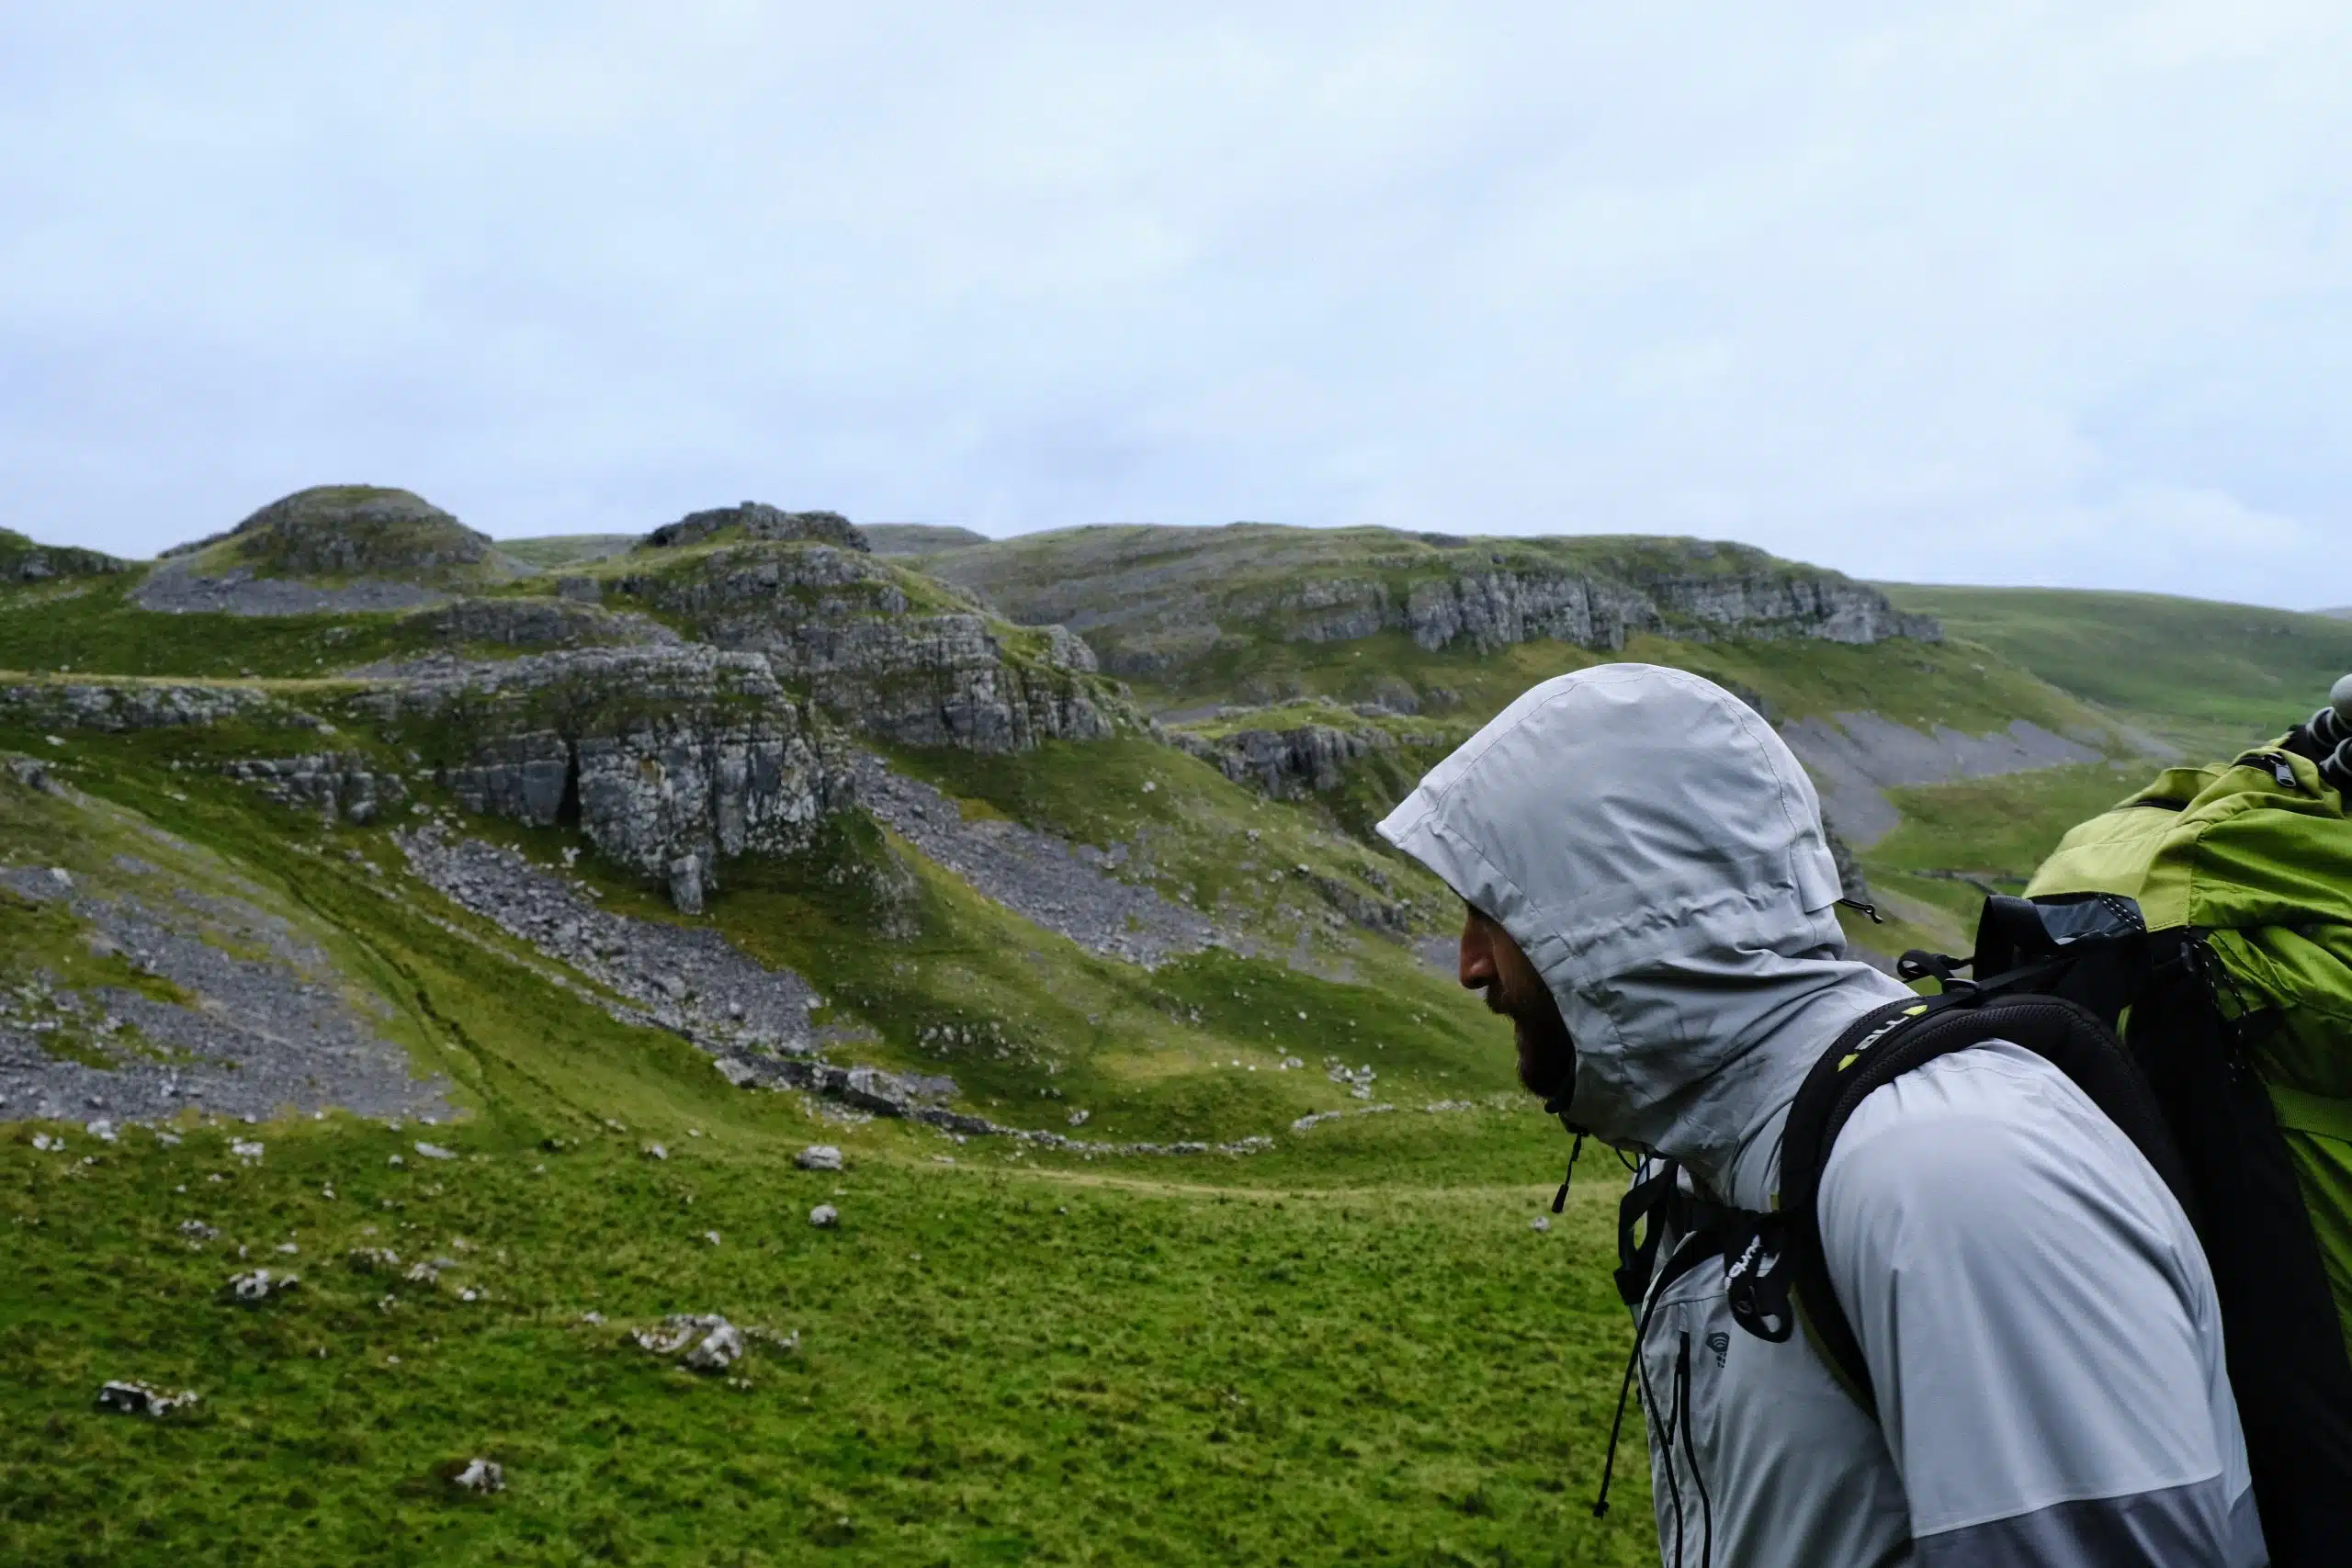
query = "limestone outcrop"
x=757 y=520
x=342 y=785
x=561 y=622
x=882 y=649
x=1290 y=762
x=1493 y=609
x=662 y=755
x=118 y=706
x=1154 y=600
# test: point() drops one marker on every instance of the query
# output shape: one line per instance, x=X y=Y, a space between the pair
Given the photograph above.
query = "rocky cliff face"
x=671 y=759
x=1286 y=764
x=1493 y=609
x=882 y=650
x=1154 y=601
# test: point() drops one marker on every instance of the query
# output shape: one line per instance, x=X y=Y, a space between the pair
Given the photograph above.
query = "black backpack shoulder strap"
x=1883 y=1046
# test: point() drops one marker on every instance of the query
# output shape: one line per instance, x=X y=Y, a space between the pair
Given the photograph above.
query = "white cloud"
x=1958 y=291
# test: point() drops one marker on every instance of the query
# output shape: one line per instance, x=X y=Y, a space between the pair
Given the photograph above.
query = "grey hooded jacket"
x=2042 y=1331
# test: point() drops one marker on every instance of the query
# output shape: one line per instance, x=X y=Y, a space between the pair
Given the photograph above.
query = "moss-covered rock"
x=755 y=521
x=25 y=561
x=887 y=651
x=328 y=549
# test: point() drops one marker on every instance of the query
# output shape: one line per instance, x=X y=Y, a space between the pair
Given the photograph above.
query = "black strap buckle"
x=1757 y=1277
x=1644 y=1201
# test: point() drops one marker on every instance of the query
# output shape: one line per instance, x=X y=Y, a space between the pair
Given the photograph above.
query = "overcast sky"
x=1960 y=292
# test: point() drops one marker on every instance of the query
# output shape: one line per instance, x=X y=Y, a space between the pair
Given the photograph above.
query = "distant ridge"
x=920 y=538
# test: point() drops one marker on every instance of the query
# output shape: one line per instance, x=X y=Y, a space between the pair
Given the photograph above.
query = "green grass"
x=1206 y=1364
x=1350 y=1347
x=2213 y=677
x=93 y=627
x=1957 y=842
x=1961 y=684
x=553 y=551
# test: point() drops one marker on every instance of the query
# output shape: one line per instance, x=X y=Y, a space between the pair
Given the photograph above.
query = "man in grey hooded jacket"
x=1653 y=902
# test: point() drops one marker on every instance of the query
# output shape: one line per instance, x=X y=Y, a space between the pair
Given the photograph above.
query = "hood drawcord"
x=1684 y=1409
x=1643 y=1201
x=1560 y=1198
x=1657 y=1201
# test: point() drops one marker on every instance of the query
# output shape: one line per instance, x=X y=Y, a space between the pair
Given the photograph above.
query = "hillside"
x=488 y=953
x=918 y=538
x=548 y=552
x=327 y=548
x=2210 y=676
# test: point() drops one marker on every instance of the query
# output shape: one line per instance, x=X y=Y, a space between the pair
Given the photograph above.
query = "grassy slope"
x=1350 y=1347
x=2211 y=676
x=554 y=550
x=92 y=625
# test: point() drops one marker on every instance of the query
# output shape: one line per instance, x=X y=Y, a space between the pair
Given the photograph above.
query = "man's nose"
x=1476 y=968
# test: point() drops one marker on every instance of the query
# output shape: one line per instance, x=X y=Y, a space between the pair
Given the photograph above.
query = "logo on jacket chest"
x=1720 y=1343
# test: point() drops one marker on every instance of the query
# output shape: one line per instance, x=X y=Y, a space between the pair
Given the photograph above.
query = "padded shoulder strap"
x=1881 y=1046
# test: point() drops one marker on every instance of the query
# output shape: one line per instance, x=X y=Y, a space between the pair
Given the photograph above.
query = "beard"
x=1547 y=1053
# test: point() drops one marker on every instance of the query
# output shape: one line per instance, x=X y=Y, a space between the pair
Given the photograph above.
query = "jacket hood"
x=1657 y=852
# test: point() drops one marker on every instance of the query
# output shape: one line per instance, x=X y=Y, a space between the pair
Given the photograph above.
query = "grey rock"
x=572 y=619
x=757 y=520
x=719 y=1349
x=182 y=587
x=272 y=1019
x=32 y=774
x=818 y=1157
x=1074 y=889
x=481 y=1475
x=342 y=785
x=824 y=1216
x=1287 y=763
x=685 y=885
x=260 y=1285
x=668 y=752
x=435 y=1151
x=702 y=1342
x=841 y=625
x=690 y=980
x=119 y=706
x=142 y=1399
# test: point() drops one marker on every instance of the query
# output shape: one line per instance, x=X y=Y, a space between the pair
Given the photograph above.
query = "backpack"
x=2186 y=959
